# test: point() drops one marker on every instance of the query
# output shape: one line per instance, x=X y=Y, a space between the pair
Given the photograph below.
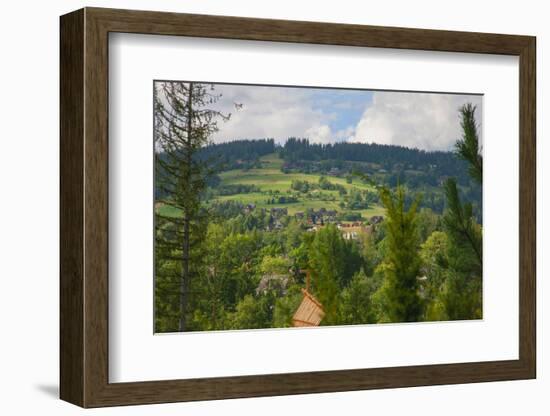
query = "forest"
x=372 y=233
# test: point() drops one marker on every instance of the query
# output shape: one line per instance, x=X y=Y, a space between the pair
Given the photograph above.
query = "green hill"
x=272 y=183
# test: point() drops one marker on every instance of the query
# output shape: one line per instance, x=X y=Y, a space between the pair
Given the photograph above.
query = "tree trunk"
x=184 y=284
x=185 y=275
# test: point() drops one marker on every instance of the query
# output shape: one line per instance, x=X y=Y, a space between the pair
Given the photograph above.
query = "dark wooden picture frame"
x=84 y=207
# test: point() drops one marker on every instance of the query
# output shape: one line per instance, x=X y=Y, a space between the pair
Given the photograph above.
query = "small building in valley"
x=376 y=219
x=310 y=312
x=273 y=282
x=248 y=208
x=279 y=212
x=354 y=231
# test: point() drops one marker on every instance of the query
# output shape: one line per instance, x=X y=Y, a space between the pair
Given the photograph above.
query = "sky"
x=428 y=121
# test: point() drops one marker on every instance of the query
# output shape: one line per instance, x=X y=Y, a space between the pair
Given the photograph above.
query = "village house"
x=277 y=283
x=331 y=215
x=353 y=231
x=376 y=219
x=313 y=218
x=249 y=208
x=274 y=223
x=279 y=212
x=321 y=216
x=315 y=228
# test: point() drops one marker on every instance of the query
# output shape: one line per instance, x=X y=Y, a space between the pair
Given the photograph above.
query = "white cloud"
x=345 y=134
x=319 y=134
x=269 y=112
x=425 y=121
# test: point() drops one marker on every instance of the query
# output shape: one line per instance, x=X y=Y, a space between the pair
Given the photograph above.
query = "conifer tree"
x=462 y=291
x=327 y=261
x=184 y=122
x=399 y=297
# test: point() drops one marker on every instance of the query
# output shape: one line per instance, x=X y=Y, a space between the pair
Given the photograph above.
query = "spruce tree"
x=398 y=296
x=462 y=291
x=327 y=262
x=184 y=122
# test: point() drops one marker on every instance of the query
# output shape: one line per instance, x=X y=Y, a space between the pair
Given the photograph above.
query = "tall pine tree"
x=398 y=296
x=184 y=121
x=462 y=291
x=327 y=261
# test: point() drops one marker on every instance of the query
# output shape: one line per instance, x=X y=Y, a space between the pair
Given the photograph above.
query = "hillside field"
x=271 y=181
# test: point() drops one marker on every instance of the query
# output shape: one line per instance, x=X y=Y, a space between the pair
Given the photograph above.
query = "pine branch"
x=458 y=219
x=469 y=148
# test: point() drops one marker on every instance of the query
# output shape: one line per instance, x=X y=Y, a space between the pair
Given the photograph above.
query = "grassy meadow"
x=271 y=181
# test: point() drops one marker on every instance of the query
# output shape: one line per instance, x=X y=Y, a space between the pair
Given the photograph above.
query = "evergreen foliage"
x=183 y=125
x=399 y=293
x=469 y=147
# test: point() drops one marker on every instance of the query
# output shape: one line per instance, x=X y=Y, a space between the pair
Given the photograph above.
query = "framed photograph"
x=255 y=207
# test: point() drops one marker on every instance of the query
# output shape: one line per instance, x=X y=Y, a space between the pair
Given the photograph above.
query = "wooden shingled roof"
x=309 y=313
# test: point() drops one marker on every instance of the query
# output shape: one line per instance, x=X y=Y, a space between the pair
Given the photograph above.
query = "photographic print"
x=292 y=206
